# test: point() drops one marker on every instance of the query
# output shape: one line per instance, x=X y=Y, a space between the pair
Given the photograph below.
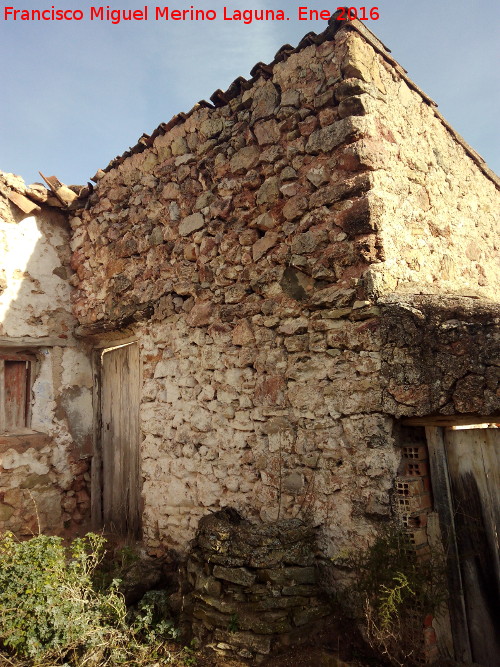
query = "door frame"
x=444 y=506
x=107 y=342
x=435 y=426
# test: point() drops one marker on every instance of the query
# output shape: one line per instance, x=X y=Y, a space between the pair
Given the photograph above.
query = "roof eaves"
x=220 y=98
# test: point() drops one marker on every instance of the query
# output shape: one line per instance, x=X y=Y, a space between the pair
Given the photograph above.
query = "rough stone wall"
x=242 y=234
x=43 y=486
x=229 y=199
x=438 y=213
x=43 y=468
x=440 y=355
x=253 y=588
x=242 y=249
x=267 y=431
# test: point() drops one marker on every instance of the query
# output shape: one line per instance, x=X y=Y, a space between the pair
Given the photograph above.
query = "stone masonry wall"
x=440 y=355
x=248 y=200
x=44 y=468
x=274 y=433
x=238 y=240
x=244 y=248
x=438 y=213
x=252 y=589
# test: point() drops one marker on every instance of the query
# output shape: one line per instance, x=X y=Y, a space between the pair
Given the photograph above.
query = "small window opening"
x=15 y=393
x=410 y=452
x=463 y=427
x=415 y=469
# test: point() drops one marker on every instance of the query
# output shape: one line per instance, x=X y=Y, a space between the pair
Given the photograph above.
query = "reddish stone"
x=190 y=252
x=82 y=496
x=261 y=246
x=271 y=391
x=200 y=314
x=79 y=467
x=308 y=126
x=430 y=638
x=248 y=237
x=409 y=394
x=243 y=333
x=77 y=258
x=428 y=620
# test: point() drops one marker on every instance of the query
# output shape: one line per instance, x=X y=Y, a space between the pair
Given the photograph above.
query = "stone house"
x=283 y=301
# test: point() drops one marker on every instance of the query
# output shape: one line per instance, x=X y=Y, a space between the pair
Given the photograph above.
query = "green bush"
x=52 y=613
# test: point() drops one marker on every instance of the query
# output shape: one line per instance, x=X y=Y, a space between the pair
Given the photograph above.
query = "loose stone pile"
x=253 y=587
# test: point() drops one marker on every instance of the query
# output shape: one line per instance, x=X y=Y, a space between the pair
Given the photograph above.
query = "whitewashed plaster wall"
x=44 y=469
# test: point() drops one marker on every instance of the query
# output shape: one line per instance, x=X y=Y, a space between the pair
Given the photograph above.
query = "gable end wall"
x=245 y=250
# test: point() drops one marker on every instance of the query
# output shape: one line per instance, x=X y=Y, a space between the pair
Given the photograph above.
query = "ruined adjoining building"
x=281 y=301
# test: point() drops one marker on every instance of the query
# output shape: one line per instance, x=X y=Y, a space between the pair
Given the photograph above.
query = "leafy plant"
x=234 y=624
x=47 y=601
x=391 y=599
x=152 y=619
x=392 y=591
x=189 y=655
x=114 y=565
x=52 y=613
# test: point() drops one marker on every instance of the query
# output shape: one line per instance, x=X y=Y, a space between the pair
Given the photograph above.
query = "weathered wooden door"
x=120 y=439
x=473 y=457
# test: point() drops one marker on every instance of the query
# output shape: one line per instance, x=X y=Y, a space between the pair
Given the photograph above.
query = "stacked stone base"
x=253 y=588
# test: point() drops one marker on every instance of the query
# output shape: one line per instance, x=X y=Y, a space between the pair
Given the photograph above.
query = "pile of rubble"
x=253 y=587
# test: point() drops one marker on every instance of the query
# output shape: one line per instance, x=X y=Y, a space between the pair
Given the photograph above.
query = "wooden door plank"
x=106 y=440
x=473 y=464
x=441 y=491
x=120 y=438
x=490 y=451
x=450 y=420
x=134 y=467
x=96 y=488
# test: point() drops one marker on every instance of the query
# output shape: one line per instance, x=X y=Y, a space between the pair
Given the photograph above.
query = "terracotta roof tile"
x=220 y=98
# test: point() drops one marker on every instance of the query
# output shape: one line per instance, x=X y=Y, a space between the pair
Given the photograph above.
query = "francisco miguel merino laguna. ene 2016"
x=116 y=16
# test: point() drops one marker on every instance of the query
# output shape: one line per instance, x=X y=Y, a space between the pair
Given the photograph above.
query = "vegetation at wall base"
x=52 y=612
x=392 y=591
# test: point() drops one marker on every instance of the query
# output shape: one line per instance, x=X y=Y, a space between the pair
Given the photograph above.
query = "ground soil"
x=335 y=649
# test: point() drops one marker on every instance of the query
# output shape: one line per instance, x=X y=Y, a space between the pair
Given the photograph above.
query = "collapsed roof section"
x=30 y=198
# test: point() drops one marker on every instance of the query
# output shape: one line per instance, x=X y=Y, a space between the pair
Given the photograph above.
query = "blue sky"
x=76 y=94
